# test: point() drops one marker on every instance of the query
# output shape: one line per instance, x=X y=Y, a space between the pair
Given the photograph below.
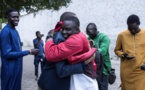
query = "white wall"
x=109 y=15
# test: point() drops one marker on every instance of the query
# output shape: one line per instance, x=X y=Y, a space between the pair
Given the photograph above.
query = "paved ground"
x=116 y=65
x=29 y=83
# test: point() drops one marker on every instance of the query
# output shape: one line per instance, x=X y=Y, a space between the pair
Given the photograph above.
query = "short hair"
x=66 y=14
x=133 y=19
x=50 y=34
x=9 y=11
x=73 y=19
x=51 y=31
x=37 y=32
x=93 y=24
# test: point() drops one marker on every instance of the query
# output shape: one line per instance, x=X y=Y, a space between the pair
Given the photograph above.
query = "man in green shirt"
x=101 y=42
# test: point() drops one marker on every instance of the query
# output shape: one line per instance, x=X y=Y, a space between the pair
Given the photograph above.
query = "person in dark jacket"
x=59 y=74
x=56 y=76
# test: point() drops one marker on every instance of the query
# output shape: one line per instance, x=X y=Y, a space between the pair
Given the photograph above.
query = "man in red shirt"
x=75 y=44
x=75 y=48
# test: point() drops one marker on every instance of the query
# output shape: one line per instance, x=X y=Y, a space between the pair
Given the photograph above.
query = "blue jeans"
x=104 y=82
x=37 y=60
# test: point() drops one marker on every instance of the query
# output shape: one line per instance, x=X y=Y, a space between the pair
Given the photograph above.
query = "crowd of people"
x=68 y=57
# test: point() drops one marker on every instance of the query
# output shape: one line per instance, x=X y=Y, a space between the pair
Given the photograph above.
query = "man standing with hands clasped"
x=11 y=53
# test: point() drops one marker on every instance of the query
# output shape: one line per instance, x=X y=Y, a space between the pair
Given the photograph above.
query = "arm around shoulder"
x=59 y=52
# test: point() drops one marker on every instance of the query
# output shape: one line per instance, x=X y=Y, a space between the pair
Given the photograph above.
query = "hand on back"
x=90 y=59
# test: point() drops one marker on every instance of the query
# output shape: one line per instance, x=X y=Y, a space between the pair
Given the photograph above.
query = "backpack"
x=100 y=65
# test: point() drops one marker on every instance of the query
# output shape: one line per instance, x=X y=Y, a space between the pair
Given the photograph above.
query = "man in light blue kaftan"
x=11 y=53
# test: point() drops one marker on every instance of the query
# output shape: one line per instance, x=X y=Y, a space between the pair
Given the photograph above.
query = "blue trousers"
x=104 y=82
x=37 y=60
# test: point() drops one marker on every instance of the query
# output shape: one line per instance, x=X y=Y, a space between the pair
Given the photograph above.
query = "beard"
x=92 y=36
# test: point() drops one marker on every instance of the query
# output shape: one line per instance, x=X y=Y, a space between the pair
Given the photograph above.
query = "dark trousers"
x=37 y=60
x=104 y=82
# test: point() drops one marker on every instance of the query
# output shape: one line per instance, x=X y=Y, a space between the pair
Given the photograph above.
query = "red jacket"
x=75 y=49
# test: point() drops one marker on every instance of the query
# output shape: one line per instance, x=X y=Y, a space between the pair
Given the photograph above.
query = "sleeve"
x=58 y=38
x=63 y=50
x=118 y=47
x=7 y=47
x=42 y=43
x=34 y=43
x=64 y=69
x=81 y=57
x=104 y=45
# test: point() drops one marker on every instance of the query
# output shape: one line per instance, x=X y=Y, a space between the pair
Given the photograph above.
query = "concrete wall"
x=109 y=15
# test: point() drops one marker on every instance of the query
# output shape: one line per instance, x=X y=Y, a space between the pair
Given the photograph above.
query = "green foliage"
x=31 y=5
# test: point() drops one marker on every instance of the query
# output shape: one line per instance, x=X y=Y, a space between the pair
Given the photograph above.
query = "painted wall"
x=109 y=15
